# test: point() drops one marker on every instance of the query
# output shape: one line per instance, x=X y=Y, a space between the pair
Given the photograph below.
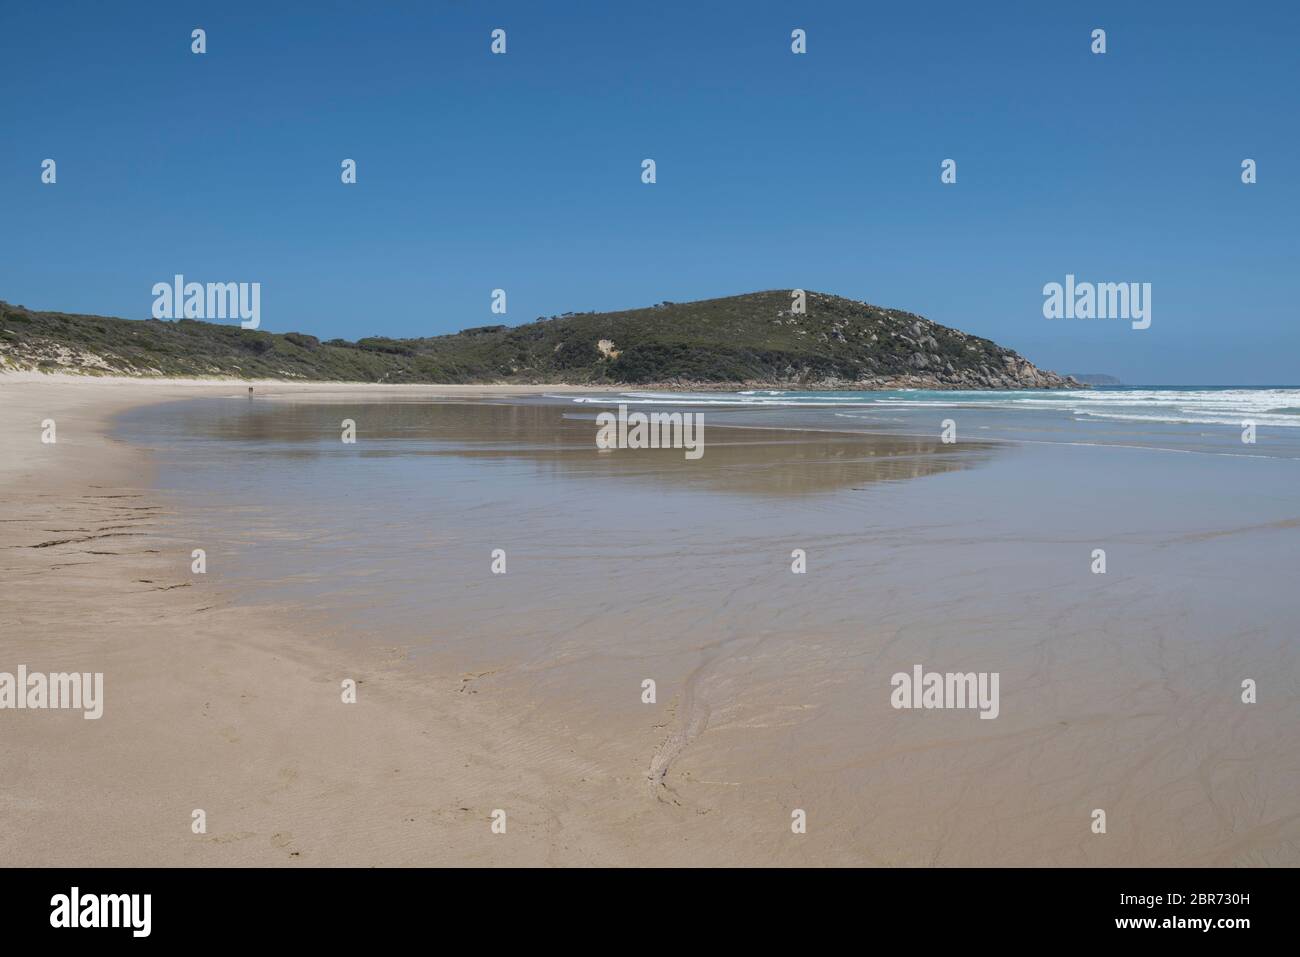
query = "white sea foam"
x=1222 y=406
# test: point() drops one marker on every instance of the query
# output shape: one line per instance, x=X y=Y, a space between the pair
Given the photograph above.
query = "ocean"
x=1178 y=418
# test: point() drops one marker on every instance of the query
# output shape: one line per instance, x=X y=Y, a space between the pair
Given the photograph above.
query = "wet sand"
x=523 y=691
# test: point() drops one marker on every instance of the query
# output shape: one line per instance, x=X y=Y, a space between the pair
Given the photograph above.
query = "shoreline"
x=895 y=384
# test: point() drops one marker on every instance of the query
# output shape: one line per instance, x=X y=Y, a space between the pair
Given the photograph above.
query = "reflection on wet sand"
x=737 y=458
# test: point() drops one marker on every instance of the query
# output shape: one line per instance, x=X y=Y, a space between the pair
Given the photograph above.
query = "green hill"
x=752 y=340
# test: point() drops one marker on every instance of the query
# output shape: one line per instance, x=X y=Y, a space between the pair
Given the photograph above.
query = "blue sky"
x=522 y=171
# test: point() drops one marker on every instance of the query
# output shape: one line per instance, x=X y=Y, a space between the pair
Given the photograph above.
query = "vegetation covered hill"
x=748 y=340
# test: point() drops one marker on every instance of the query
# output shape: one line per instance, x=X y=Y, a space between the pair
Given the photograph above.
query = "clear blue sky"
x=774 y=170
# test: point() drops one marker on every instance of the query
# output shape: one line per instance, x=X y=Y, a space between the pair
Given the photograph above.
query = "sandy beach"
x=522 y=693
x=212 y=707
